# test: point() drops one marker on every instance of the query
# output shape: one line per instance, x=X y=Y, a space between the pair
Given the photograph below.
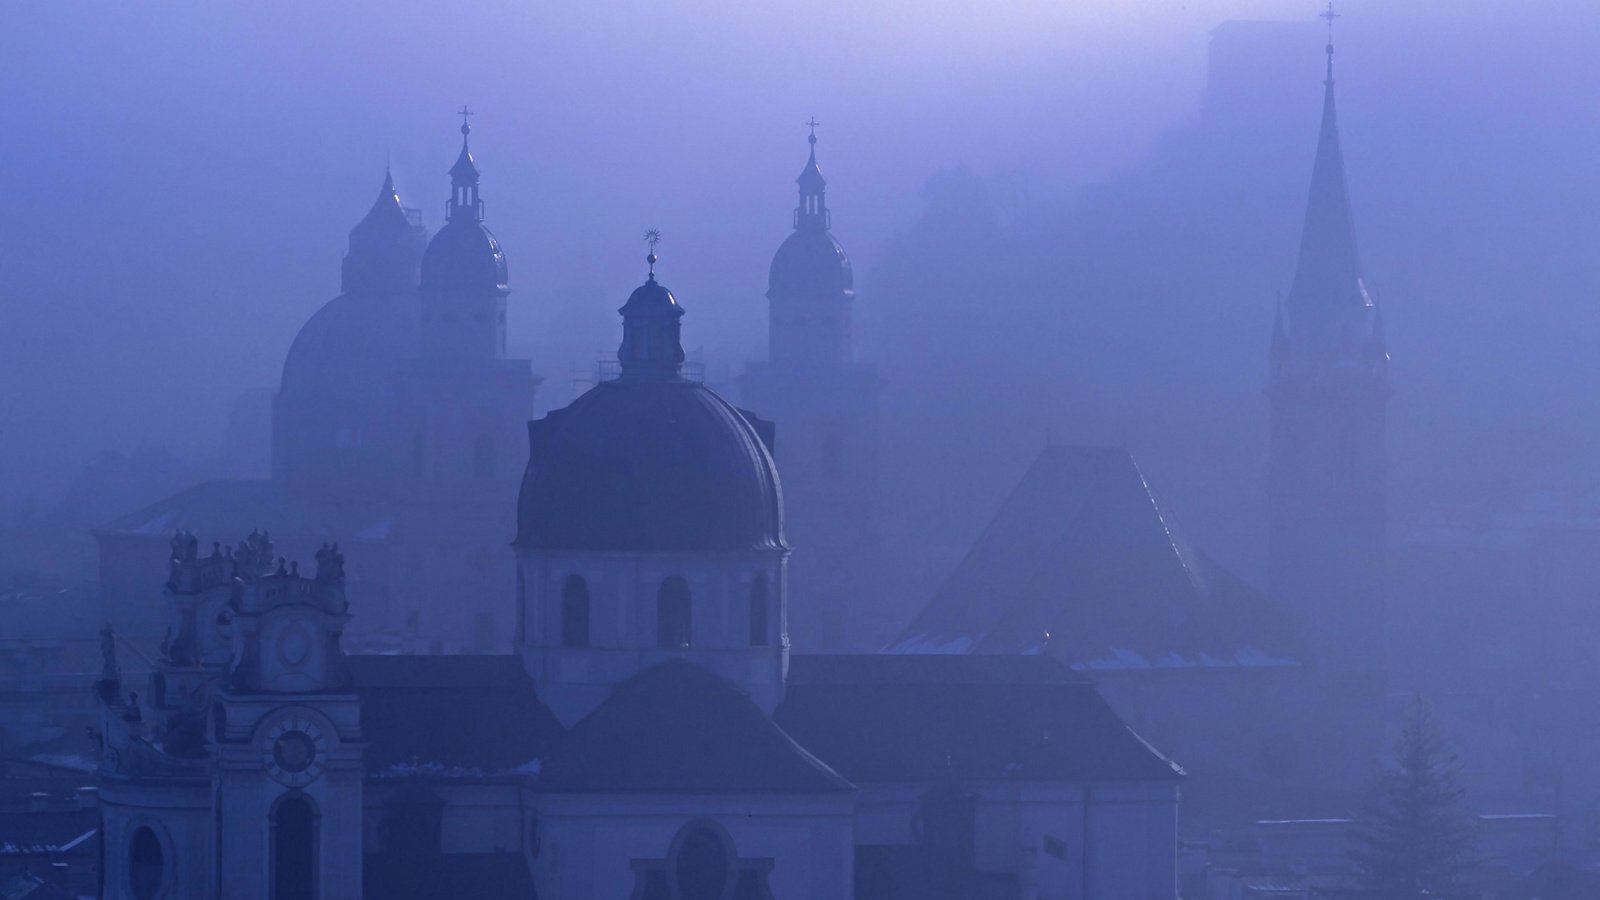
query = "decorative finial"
x=464 y=114
x=812 y=123
x=652 y=237
x=1330 y=15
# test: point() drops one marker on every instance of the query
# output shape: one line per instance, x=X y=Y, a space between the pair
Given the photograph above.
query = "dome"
x=646 y=465
x=353 y=345
x=463 y=257
x=810 y=263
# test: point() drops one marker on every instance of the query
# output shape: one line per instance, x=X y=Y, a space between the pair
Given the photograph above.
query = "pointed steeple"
x=464 y=202
x=387 y=207
x=652 y=345
x=813 y=209
x=1327 y=277
x=385 y=246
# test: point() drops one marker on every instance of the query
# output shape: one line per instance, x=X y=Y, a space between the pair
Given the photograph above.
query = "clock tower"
x=240 y=773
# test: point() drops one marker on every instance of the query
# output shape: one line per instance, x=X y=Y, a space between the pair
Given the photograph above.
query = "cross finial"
x=1330 y=15
x=652 y=237
x=464 y=114
x=812 y=123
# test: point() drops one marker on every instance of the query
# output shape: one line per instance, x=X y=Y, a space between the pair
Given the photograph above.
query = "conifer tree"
x=1414 y=837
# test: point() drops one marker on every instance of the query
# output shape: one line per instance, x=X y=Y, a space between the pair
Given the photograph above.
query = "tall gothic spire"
x=464 y=202
x=813 y=209
x=1328 y=275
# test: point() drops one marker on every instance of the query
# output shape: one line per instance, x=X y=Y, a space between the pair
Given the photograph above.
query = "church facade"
x=652 y=736
x=397 y=430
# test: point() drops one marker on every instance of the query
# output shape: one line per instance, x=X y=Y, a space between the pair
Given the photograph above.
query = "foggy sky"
x=177 y=181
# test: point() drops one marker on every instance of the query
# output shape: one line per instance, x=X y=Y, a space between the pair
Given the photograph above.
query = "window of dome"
x=575 y=612
x=673 y=613
x=146 y=864
x=702 y=864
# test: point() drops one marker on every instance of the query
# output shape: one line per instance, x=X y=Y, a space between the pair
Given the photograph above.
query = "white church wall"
x=623 y=592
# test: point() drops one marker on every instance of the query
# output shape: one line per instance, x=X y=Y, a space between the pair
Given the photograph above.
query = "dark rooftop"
x=677 y=728
x=1081 y=552
x=443 y=715
x=893 y=717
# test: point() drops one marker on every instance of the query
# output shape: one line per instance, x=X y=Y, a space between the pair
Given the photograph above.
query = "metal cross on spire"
x=812 y=123
x=464 y=114
x=1329 y=15
x=652 y=237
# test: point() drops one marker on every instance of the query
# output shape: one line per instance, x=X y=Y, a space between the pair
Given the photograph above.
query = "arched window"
x=575 y=612
x=146 y=864
x=760 y=614
x=294 y=849
x=702 y=863
x=483 y=456
x=672 y=613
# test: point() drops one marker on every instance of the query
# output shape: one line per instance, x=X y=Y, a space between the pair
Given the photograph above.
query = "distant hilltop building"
x=652 y=736
x=396 y=430
x=826 y=404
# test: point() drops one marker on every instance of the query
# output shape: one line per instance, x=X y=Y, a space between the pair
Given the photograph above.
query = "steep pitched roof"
x=677 y=728
x=1082 y=552
x=1328 y=274
x=888 y=718
x=451 y=715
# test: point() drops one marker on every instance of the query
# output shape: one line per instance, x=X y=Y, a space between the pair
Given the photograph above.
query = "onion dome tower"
x=827 y=405
x=463 y=408
x=1328 y=389
x=650 y=528
x=464 y=284
x=333 y=416
x=811 y=288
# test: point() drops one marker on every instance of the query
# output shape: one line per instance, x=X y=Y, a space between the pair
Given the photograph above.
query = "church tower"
x=650 y=529
x=333 y=435
x=825 y=404
x=241 y=772
x=463 y=408
x=1328 y=389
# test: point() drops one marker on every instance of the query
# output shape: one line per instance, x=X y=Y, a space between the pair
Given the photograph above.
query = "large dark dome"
x=352 y=347
x=650 y=466
x=463 y=257
x=810 y=263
